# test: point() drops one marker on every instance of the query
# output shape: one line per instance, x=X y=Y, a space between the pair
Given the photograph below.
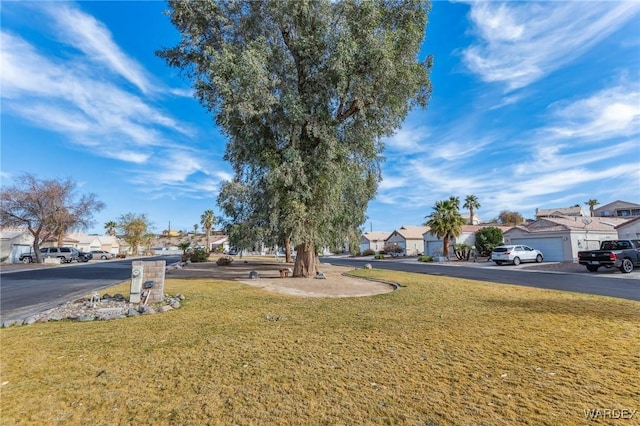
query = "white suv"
x=515 y=254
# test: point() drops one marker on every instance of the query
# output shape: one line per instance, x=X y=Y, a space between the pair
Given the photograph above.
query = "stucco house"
x=618 y=209
x=409 y=238
x=86 y=242
x=561 y=238
x=373 y=240
x=629 y=230
x=13 y=242
x=433 y=244
x=112 y=244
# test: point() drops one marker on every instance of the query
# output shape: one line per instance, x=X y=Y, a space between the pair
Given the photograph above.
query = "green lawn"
x=439 y=350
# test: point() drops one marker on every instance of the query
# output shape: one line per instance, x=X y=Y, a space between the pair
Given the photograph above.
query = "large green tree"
x=446 y=222
x=304 y=90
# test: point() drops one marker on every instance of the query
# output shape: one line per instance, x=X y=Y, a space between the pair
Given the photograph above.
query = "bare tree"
x=46 y=208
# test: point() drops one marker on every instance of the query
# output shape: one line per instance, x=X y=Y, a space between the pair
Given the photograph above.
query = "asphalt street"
x=623 y=286
x=26 y=291
x=29 y=290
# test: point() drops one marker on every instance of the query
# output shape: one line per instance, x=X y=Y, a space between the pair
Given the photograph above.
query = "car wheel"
x=627 y=266
x=103 y=257
x=61 y=260
x=592 y=268
x=516 y=261
x=539 y=258
x=26 y=260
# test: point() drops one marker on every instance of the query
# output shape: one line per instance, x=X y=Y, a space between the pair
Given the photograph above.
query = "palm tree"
x=207 y=220
x=184 y=246
x=111 y=227
x=592 y=203
x=471 y=202
x=445 y=222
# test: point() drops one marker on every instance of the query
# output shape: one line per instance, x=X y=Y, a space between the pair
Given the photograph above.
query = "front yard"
x=438 y=351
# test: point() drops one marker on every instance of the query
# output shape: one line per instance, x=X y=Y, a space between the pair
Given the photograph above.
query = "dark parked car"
x=83 y=256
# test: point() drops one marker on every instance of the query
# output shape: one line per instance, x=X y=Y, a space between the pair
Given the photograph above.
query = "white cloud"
x=520 y=42
x=609 y=113
x=90 y=36
x=74 y=99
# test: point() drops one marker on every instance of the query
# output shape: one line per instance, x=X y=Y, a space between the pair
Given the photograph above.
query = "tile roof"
x=376 y=236
x=562 y=211
x=568 y=223
x=411 y=232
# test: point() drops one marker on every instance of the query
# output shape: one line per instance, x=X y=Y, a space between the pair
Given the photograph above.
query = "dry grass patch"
x=439 y=350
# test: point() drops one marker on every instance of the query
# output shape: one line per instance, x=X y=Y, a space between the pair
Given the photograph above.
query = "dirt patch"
x=336 y=284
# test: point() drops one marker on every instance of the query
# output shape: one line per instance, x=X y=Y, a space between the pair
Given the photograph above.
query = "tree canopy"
x=47 y=208
x=304 y=91
x=508 y=217
x=133 y=228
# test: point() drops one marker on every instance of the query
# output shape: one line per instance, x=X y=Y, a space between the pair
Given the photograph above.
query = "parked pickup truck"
x=622 y=254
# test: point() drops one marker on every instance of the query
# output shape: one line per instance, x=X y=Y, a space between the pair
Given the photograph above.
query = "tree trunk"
x=306 y=261
x=287 y=250
x=445 y=246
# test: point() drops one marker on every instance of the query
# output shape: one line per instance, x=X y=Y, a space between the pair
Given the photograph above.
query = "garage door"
x=551 y=248
x=434 y=248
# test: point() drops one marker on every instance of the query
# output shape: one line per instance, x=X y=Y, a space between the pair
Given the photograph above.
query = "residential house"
x=562 y=211
x=475 y=220
x=13 y=242
x=409 y=238
x=86 y=242
x=433 y=245
x=618 y=209
x=560 y=238
x=112 y=244
x=373 y=241
x=629 y=230
x=220 y=241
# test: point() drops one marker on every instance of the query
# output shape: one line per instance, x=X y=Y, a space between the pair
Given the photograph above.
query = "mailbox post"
x=137 y=276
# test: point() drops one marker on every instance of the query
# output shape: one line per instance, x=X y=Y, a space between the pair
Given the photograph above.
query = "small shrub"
x=425 y=259
x=224 y=261
x=393 y=249
x=462 y=251
x=199 y=255
x=379 y=256
x=368 y=252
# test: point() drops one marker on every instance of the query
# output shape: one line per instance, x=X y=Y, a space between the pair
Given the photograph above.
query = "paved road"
x=28 y=291
x=624 y=286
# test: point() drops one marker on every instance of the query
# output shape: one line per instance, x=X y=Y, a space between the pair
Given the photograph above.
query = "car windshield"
x=500 y=249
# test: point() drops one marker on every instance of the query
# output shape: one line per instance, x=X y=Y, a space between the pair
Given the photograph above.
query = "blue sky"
x=535 y=105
